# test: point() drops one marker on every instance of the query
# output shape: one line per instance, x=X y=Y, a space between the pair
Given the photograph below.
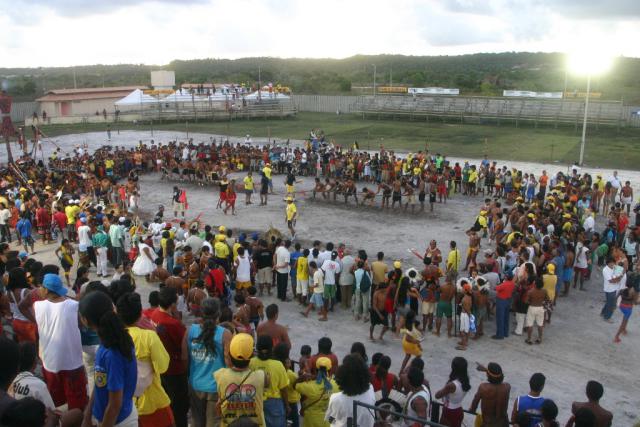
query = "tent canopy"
x=136 y=97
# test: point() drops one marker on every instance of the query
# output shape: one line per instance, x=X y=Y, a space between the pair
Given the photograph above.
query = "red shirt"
x=377 y=384
x=505 y=289
x=61 y=219
x=171 y=331
x=311 y=365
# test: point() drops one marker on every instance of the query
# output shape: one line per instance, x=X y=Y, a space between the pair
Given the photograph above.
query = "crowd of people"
x=208 y=351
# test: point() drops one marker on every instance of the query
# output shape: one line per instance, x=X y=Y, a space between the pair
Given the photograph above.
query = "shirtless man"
x=368 y=197
x=319 y=188
x=328 y=188
x=434 y=253
x=378 y=314
x=175 y=280
x=195 y=297
x=397 y=193
x=536 y=298
x=431 y=276
x=411 y=198
x=481 y=305
x=277 y=332
x=493 y=397
x=349 y=189
x=474 y=247
x=386 y=194
x=465 y=317
x=443 y=307
x=498 y=229
x=603 y=418
x=422 y=194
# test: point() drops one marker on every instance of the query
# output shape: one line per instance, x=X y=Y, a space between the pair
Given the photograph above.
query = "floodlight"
x=589 y=62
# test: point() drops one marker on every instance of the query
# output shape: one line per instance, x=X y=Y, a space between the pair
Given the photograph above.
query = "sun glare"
x=589 y=62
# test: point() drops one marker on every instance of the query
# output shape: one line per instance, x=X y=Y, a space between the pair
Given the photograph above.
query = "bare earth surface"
x=578 y=344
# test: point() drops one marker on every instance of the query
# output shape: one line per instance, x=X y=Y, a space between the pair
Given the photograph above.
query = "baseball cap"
x=289 y=199
x=551 y=268
x=83 y=219
x=323 y=362
x=23 y=254
x=241 y=347
x=397 y=264
x=53 y=283
x=222 y=229
x=122 y=219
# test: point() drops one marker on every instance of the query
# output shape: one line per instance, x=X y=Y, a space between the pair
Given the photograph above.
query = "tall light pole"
x=584 y=122
x=374 y=80
x=589 y=63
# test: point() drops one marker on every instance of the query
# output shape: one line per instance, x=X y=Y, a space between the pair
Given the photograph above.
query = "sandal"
x=538 y=341
x=528 y=342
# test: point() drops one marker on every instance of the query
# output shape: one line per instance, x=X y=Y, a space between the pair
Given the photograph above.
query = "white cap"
x=122 y=219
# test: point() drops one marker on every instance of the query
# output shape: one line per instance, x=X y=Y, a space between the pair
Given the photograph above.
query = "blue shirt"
x=114 y=372
x=24 y=227
x=293 y=257
x=202 y=364
x=532 y=406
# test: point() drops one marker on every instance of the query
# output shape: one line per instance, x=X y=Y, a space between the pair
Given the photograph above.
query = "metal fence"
x=324 y=103
x=22 y=110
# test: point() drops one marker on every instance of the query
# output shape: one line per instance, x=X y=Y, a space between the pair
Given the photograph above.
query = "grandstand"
x=494 y=110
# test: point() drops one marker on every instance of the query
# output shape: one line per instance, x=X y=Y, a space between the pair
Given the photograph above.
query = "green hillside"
x=477 y=74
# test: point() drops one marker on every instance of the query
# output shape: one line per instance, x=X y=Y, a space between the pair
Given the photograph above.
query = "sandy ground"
x=578 y=345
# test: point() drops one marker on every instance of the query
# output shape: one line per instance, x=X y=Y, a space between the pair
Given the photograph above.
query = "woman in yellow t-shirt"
x=315 y=394
x=275 y=401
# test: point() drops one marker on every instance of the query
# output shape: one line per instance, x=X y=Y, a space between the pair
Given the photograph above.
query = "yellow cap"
x=566 y=216
x=241 y=347
x=289 y=199
x=531 y=215
x=30 y=182
x=23 y=190
x=397 y=264
x=551 y=268
x=221 y=238
x=483 y=212
x=222 y=229
x=48 y=187
x=323 y=362
x=519 y=199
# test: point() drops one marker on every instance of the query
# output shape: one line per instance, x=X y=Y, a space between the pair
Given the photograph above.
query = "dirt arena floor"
x=578 y=345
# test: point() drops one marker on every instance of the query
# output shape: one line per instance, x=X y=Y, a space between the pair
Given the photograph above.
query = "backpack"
x=365 y=282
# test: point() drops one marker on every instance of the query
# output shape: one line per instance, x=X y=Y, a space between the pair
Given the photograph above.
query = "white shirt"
x=340 y=409
x=323 y=256
x=330 y=268
x=283 y=257
x=5 y=214
x=84 y=239
x=28 y=385
x=347 y=278
x=607 y=275
x=615 y=182
x=60 y=347
x=581 y=256
x=243 y=273
x=589 y=223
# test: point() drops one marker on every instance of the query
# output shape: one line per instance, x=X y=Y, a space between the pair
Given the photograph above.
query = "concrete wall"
x=324 y=103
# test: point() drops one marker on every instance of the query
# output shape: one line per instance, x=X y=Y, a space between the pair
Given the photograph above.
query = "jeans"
x=5 y=231
x=361 y=306
x=118 y=255
x=502 y=317
x=170 y=264
x=281 y=281
x=274 y=413
x=177 y=387
x=294 y=415
x=609 y=305
x=520 y=319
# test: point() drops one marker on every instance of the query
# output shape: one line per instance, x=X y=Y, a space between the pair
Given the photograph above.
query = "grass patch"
x=605 y=147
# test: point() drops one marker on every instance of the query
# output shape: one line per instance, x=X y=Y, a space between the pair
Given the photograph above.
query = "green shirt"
x=100 y=240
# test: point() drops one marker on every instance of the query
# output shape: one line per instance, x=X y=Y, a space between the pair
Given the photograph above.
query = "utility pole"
x=75 y=84
x=584 y=123
x=391 y=77
x=259 y=84
x=374 y=79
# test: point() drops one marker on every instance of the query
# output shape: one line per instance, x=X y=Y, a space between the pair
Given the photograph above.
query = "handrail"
x=357 y=403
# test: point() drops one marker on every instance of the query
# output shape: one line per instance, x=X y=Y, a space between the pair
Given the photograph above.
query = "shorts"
x=396 y=196
x=411 y=348
x=443 y=309
x=481 y=313
x=534 y=315
x=330 y=291
x=248 y=192
x=317 y=300
x=421 y=196
x=428 y=307
x=626 y=311
x=584 y=272
x=162 y=417
x=402 y=311
x=411 y=199
x=465 y=322
x=68 y=387
x=626 y=200
x=25 y=331
x=567 y=274
x=265 y=275
x=290 y=223
x=243 y=285
x=178 y=207
x=377 y=320
x=432 y=197
x=302 y=287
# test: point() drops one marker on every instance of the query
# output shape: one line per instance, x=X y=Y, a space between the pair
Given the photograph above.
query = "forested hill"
x=477 y=74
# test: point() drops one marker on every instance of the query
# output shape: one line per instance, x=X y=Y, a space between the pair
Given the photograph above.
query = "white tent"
x=183 y=96
x=265 y=95
x=136 y=97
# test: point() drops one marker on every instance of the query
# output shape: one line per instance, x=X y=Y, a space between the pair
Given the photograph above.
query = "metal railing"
x=387 y=411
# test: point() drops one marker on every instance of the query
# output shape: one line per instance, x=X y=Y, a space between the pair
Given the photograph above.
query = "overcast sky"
x=76 y=32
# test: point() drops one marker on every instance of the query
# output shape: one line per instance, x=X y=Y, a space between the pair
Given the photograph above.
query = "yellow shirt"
x=314 y=392
x=292 y=395
x=150 y=349
x=248 y=404
x=453 y=260
x=71 y=211
x=108 y=164
x=473 y=176
x=600 y=184
x=549 y=283
x=221 y=250
x=248 y=183
x=302 y=268
x=291 y=211
x=278 y=378
x=236 y=246
x=267 y=172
